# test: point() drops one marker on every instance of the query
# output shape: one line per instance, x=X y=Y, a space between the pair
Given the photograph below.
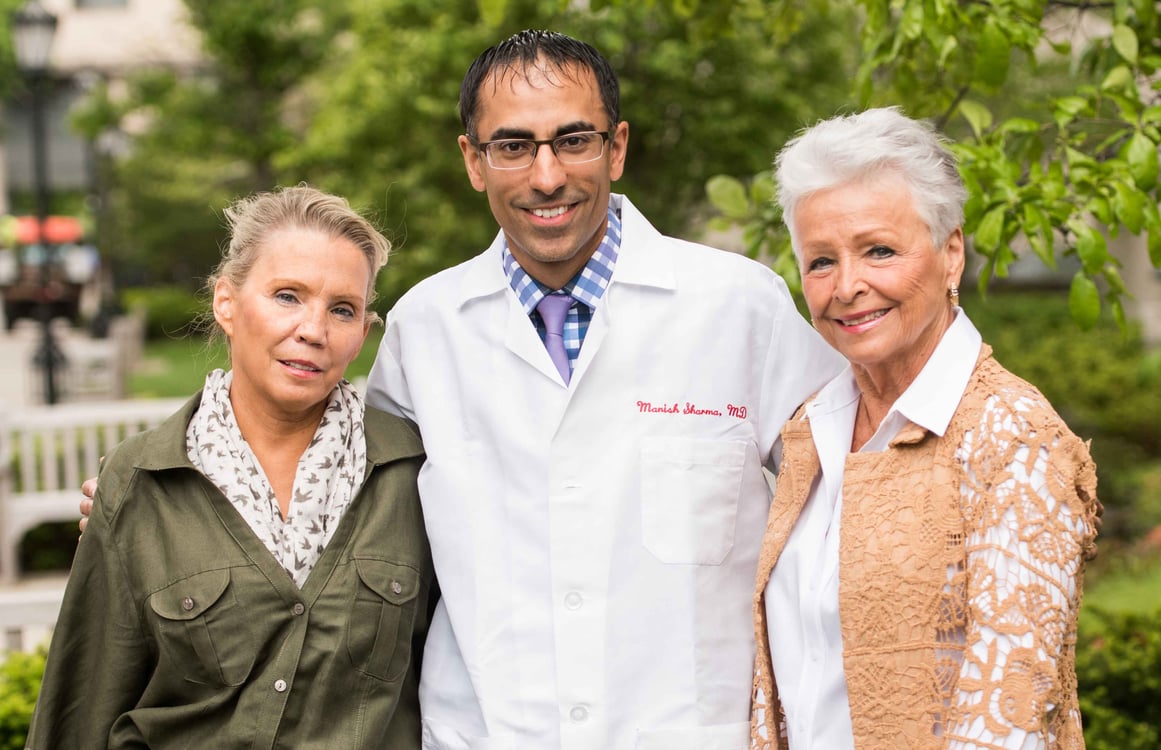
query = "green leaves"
x=977 y=115
x=1084 y=301
x=1091 y=247
x=728 y=195
x=492 y=11
x=994 y=54
x=1125 y=43
x=989 y=232
x=1038 y=231
x=1141 y=155
x=753 y=210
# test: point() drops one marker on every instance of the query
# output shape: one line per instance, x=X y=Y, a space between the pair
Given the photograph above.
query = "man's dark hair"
x=521 y=51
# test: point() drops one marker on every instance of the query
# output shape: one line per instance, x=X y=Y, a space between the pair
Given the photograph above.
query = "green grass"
x=178 y=367
x=1131 y=584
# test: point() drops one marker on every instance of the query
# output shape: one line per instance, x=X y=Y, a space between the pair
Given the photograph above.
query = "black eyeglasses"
x=518 y=153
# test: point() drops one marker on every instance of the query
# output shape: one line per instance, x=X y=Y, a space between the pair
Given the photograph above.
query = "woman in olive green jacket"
x=255 y=572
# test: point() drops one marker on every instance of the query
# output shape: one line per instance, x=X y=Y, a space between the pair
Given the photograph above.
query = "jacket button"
x=397 y=587
x=298 y=608
x=187 y=603
x=280 y=686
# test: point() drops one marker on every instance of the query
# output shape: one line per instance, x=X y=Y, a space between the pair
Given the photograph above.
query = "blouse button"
x=187 y=603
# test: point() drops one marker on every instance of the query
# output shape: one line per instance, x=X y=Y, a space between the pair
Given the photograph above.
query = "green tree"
x=1055 y=169
x=202 y=137
x=384 y=125
x=360 y=98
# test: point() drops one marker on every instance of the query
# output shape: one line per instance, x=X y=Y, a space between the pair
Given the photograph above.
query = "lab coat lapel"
x=641 y=262
x=487 y=286
x=521 y=339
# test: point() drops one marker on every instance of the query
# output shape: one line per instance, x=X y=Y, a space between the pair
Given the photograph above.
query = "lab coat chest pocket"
x=379 y=631
x=202 y=627
x=689 y=498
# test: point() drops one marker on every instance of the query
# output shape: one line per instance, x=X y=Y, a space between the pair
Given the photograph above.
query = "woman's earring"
x=953 y=295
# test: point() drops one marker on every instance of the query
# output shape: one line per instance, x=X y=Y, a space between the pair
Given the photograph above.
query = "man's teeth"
x=865 y=318
x=548 y=213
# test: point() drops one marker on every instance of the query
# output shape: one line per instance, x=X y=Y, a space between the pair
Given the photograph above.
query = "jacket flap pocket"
x=190 y=597
x=394 y=582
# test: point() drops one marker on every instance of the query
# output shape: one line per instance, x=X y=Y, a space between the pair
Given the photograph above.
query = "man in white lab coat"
x=593 y=488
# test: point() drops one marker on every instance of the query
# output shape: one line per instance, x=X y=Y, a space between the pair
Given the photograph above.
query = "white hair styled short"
x=868 y=145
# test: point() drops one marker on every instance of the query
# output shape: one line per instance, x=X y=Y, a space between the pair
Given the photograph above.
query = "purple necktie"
x=553 y=308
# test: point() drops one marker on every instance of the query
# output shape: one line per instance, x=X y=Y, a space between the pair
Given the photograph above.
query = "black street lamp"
x=33 y=28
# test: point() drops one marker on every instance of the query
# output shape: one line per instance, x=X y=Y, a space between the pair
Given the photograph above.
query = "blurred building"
x=96 y=40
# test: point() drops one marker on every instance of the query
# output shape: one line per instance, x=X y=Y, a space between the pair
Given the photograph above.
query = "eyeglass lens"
x=573 y=148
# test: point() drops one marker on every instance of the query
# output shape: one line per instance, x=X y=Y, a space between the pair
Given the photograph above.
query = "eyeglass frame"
x=482 y=147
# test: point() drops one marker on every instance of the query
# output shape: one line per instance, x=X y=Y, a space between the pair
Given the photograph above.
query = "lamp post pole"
x=33 y=28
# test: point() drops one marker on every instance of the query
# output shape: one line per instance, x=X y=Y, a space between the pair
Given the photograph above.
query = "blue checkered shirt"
x=586 y=288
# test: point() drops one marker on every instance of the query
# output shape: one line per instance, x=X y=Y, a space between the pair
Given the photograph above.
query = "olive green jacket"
x=180 y=630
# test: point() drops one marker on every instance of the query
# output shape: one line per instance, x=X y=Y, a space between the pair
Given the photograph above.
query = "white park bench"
x=45 y=454
x=28 y=612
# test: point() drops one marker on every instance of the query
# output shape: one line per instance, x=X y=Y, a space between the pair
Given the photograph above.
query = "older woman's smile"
x=862 y=318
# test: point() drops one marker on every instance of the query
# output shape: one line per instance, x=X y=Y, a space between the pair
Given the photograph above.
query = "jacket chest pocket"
x=382 y=617
x=689 y=498
x=203 y=629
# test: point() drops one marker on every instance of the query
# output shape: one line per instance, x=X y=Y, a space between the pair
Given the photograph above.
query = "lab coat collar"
x=485 y=274
x=642 y=259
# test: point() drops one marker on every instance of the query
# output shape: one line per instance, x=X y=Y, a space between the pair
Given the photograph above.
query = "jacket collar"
x=389 y=438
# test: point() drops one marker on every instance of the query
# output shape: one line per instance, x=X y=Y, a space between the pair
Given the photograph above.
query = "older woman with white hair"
x=922 y=566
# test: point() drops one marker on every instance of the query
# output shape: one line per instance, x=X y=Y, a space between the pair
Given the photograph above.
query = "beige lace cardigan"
x=908 y=597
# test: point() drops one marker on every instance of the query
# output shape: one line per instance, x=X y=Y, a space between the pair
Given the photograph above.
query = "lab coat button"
x=578 y=713
x=280 y=686
x=573 y=600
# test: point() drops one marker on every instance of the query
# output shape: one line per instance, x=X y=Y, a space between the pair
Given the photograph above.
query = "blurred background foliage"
x=360 y=98
x=1057 y=132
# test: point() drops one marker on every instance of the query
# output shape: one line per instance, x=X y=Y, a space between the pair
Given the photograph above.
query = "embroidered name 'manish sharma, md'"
x=690 y=409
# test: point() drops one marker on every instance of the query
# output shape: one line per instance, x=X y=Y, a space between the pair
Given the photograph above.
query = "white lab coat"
x=596 y=543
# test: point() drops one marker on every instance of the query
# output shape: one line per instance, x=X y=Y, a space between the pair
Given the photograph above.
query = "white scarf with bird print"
x=329 y=473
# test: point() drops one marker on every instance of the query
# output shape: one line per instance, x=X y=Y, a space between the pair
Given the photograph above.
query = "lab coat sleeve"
x=798 y=363
x=98 y=660
x=387 y=382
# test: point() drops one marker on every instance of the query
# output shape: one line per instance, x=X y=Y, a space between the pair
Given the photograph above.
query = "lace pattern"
x=960 y=576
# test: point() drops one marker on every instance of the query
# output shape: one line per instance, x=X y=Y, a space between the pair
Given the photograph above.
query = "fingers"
x=88 y=490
